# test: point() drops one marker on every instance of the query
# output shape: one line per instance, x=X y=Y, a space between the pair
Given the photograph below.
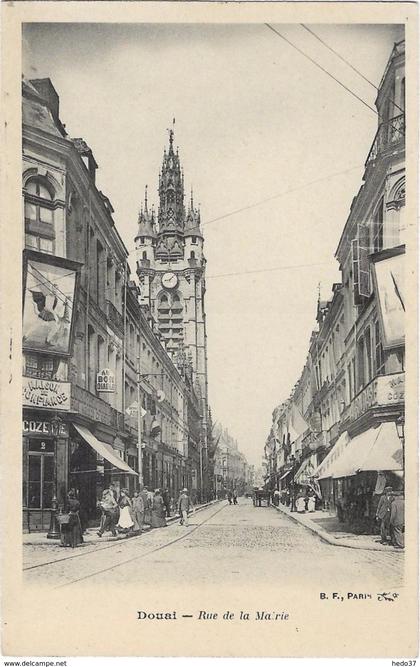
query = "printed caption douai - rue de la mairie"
x=205 y=615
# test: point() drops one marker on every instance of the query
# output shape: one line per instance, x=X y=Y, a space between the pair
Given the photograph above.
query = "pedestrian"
x=70 y=526
x=158 y=510
x=147 y=506
x=109 y=509
x=138 y=512
x=229 y=497
x=276 y=498
x=287 y=497
x=306 y=499
x=166 y=501
x=235 y=497
x=397 y=524
x=125 y=522
x=184 y=507
x=300 y=503
x=311 y=500
x=383 y=514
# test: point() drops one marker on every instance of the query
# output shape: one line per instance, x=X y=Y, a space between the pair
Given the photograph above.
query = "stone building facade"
x=84 y=330
x=341 y=429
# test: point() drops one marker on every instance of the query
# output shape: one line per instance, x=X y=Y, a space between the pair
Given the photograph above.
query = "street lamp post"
x=293 y=501
x=400 y=425
x=139 y=426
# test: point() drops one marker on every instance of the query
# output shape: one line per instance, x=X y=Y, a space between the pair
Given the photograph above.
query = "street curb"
x=325 y=537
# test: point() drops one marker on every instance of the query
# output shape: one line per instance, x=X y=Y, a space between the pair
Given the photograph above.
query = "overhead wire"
x=323 y=69
x=330 y=48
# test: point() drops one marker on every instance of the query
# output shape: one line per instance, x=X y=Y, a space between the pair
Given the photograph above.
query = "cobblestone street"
x=240 y=544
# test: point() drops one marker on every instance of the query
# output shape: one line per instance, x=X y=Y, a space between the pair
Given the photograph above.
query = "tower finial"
x=145 y=198
x=171 y=134
x=192 y=198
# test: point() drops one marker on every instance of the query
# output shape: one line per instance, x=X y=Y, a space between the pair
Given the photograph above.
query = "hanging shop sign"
x=38 y=427
x=382 y=391
x=45 y=394
x=49 y=298
x=105 y=381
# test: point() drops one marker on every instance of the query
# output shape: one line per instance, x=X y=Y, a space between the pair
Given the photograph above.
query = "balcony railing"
x=93 y=407
x=389 y=134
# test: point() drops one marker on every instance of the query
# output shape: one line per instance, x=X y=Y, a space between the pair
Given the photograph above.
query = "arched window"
x=144 y=254
x=192 y=254
x=39 y=216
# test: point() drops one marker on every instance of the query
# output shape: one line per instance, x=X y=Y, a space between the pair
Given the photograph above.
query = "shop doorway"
x=85 y=479
x=39 y=482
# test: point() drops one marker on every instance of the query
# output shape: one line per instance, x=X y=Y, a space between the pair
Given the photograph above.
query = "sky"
x=256 y=123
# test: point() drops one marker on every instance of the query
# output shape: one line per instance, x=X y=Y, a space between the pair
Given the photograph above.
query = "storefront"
x=356 y=471
x=44 y=454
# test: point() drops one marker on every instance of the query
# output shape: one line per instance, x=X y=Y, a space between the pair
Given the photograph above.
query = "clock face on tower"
x=169 y=280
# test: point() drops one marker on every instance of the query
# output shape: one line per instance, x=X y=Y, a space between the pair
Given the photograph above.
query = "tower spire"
x=145 y=199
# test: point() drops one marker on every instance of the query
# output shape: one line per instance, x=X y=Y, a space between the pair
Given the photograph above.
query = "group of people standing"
x=122 y=514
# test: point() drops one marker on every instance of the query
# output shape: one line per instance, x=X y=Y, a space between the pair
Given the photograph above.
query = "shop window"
x=40 y=482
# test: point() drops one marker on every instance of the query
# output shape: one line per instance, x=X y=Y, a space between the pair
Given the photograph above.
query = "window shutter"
x=364 y=268
x=355 y=267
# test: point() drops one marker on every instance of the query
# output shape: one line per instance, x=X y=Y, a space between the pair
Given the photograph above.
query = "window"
x=402 y=98
x=194 y=240
x=192 y=254
x=379 y=352
x=144 y=254
x=142 y=240
x=368 y=352
x=39 y=217
x=378 y=228
x=37 y=366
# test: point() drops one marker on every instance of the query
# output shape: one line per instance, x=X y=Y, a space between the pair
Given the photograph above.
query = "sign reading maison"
x=46 y=394
x=383 y=390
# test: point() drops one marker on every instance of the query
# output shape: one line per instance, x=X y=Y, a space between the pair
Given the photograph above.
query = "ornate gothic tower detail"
x=171 y=214
x=171 y=269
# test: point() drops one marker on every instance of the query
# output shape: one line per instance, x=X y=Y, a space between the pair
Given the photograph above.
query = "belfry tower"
x=171 y=270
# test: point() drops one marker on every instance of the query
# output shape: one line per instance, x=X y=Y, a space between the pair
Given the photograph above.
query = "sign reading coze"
x=46 y=394
x=383 y=390
x=38 y=427
x=105 y=380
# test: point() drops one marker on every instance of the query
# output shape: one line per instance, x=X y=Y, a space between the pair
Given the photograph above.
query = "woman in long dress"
x=125 y=522
x=71 y=532
x=158 y=511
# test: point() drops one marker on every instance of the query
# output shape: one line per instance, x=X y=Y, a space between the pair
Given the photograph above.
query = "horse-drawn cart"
x=261 y=497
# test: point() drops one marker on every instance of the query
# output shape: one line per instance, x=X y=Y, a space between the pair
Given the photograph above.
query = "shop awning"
x=103 y=449
x=305 y=472
x=386 y=452
x=375 y=449
x=325 y=467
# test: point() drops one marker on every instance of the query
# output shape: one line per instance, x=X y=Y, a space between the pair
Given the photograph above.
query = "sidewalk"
x=90 y=537
x=329 y=529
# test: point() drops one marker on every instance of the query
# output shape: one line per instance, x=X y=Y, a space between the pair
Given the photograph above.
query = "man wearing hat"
x=184 y=505
x=383 y=513
x=397 y=520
